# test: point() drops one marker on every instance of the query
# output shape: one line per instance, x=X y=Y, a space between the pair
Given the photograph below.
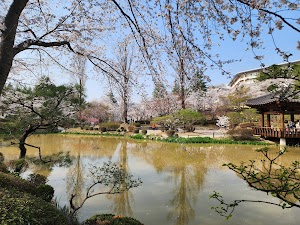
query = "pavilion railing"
x=277 y=132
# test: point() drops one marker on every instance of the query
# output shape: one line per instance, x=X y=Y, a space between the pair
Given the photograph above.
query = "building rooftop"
x=238 y=75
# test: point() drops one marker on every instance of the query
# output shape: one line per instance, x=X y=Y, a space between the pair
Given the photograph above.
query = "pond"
x=177 y=179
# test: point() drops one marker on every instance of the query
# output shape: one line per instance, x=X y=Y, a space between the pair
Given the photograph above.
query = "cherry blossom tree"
x=96 y=110
x=53 y=29
x=223 y=122
x=211 y=101
x=45 y=106
x=80 y=77
x=125 y=70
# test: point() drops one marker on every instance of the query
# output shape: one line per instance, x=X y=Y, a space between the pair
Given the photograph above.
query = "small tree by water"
x=42 y=107
x=109 y=179
x=268 y=176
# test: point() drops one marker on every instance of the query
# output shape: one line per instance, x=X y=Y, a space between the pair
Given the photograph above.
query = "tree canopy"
x=184 y=31
x=290 y=79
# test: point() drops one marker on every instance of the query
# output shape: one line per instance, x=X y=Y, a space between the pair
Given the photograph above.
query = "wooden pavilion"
x=274 y=104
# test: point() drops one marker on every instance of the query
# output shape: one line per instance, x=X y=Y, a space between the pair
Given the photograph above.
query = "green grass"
x=181 y=140
x=211 y=140
x=197 y=140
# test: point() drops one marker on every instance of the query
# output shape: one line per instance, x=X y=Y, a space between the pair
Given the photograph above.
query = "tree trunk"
x=22 y=140
x=125 y=96
x=182 y=84
x=7 y=53
x=125 y=111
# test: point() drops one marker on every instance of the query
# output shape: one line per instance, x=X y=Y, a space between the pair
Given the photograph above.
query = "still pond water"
x=177 y=180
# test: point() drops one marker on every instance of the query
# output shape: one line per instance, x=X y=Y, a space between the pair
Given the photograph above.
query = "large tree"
x=44 y=30
x=80 y=77
x=96 y=110
x=36 y=26
x=124 y=70
x=44 y=106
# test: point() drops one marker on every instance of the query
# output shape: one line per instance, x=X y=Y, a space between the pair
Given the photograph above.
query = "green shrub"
x=45 y=191
x=131 y=128
x=203 y=140
x=199 y=140
x=37 y=179
x=144 y=132
x=170 y=133
x=19 y=165
x=137 y=136
x=110 y=126
x=103 y=129
x=19 y=208
x=86 y=127
x=110 y=219
x=143 y=121
x=9 y=181
x=1 y=157
x=3 y=168
x=137 y=124
x=240 y=134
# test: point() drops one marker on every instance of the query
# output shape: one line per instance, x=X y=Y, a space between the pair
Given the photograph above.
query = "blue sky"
x=228 y=49
x=286 y=39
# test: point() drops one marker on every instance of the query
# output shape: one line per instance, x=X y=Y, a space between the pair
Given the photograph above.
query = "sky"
x=286 y=39
x=96 y=87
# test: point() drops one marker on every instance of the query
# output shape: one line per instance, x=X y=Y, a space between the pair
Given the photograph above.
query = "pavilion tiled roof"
x=270 y=98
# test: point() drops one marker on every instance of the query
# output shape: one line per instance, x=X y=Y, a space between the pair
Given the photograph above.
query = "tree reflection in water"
x=268 y=175
x=186 y=173
x=188 y=178
x=121 y=202
x=75 y=182
x=185 y=196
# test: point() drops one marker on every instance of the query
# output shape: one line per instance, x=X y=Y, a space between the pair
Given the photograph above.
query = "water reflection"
x=186 y=174
x=121 y=202
x=177 y=179
x=75 y=182
x=185 y=194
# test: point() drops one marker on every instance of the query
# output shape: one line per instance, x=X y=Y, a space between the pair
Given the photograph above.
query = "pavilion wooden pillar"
x=268 y=120
x=282 y=140
x=292 y=117
x=262 y=120
x=282 y=120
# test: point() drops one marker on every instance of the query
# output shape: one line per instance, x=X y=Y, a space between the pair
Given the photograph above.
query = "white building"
x=248 y=77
